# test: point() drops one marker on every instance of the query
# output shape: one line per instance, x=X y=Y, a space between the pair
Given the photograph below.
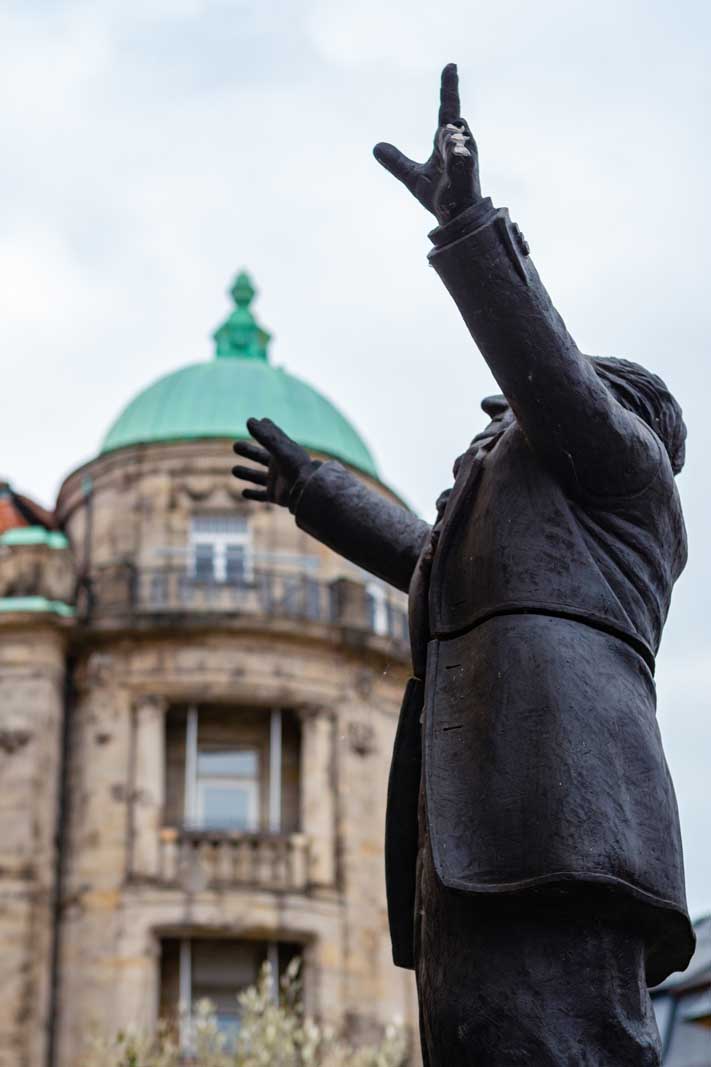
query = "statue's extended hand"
x=448 y=183
x=281 y=463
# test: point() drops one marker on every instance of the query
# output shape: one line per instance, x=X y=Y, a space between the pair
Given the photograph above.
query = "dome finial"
x=240 y=335
x=242 y=290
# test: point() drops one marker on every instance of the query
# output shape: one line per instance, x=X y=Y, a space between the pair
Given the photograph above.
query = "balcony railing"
x=194 y=860
x=126 y=590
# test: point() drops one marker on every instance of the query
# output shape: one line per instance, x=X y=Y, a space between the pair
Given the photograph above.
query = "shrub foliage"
x=272 y=1033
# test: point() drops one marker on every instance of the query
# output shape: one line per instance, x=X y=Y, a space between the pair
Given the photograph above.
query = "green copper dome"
x=215 y=399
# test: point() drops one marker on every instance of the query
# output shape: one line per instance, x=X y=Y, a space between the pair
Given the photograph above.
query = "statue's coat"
x=536 y=609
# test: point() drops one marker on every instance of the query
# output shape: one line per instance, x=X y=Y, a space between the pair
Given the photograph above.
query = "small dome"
x=215 y=399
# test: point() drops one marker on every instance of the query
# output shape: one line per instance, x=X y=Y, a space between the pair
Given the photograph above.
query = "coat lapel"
x=451 y=506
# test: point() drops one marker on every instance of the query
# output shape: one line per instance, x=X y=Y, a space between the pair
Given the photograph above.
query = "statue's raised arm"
x=581 y=415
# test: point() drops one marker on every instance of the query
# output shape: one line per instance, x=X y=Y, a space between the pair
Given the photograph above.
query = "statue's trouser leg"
x=534 y=980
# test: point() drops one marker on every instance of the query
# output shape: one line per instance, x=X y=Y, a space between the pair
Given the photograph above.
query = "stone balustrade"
x=194 y=860
x=165 y=593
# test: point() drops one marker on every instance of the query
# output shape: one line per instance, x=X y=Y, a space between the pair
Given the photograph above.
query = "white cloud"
x=48 y=63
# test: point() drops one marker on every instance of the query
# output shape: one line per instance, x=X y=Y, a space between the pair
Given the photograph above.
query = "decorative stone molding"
x=37 y=570
x=11 y=741
x=98 y=670
x=150 y=702
x=361 y=738
x=364 y=682
x=197 y=488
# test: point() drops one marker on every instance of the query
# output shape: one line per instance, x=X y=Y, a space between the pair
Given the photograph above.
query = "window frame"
x=378 y=603
x=269 y=770
x=205 y=533
x=189 y=997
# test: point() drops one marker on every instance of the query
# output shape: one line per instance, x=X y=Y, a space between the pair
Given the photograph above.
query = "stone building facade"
x=197 y=708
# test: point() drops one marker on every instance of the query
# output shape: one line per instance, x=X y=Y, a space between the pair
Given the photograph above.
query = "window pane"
x=158 y=590
x=228 y=1024
x=229 y=806
x=292 y=596
x=235 y=564
x=221 y=970
x=377 y=607
x=224 y=1001
x=219 y=524
x=204 y=562
x=313 y=599
x=226 y=965
x=228 y=762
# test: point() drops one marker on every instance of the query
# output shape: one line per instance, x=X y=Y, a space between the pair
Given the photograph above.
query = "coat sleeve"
x=338 y=509
x=566 y=411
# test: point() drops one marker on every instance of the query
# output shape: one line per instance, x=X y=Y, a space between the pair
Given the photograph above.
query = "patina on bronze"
x=533 y=856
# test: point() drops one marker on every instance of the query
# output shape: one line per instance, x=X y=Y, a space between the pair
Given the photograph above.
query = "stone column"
x=31 y=710
x=147 y=785
x=96 y=861
x=318 y=794
x=137 y=975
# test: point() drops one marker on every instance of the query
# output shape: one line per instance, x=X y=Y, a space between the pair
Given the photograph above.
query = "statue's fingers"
x=459 y=130
x=455 y=144
x=251 y=474
x=452 y=138
x=449 y=105
x=251 y=451
x=402 y=168
x=268 y=434
x=256 y=494
x=459 y=164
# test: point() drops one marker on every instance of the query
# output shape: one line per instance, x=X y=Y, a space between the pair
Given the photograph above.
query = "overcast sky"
x=153 y=147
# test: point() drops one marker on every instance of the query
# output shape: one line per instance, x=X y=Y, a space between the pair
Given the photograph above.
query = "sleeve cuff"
x=471 y=219
x=300 y=484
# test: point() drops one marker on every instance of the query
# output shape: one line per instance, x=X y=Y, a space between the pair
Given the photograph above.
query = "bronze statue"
x=533 y=856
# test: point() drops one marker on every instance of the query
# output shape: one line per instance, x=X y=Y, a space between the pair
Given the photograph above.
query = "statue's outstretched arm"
x=332 y=505
x=567 y=412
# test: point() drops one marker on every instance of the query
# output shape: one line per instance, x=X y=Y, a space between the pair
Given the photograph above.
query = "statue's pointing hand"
x=448 y=183
x=281 y=462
